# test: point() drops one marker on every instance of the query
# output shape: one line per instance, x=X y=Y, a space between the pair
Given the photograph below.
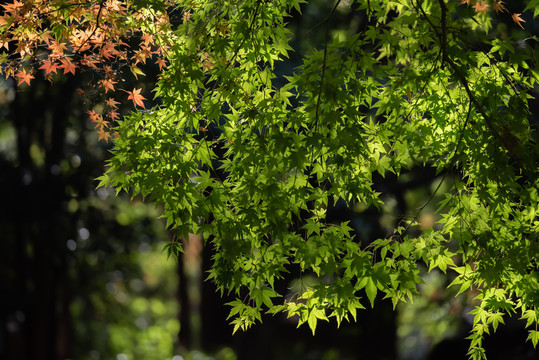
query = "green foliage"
x=253 y=166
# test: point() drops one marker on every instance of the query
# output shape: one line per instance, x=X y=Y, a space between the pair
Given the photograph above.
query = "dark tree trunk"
x=35 y=227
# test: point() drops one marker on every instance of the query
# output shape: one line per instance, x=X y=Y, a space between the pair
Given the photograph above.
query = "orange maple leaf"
x=207 y=65
x=186 y=16
x=108 y=84
x=136 y=97
x=498 y=6
x=147 y=39
x=97 y=119
x=103 y=134
x=102 y=123
x=481 y=7
x=518 y=19
x=57 y=48
x=89 y=61
x=112 y=103
x=24 y=77
x=79 y=40
x=142 y=55
x=108 y=51
x=68 y=66
x=94 y=117
x=161 y=62
x=13 y=8
x=22 y=48
x=49 y=67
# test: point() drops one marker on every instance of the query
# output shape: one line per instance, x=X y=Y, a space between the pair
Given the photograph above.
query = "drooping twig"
x=445 y=174
x=101 y=5
x=318 y=100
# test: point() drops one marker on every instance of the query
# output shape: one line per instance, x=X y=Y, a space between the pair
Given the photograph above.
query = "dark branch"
x=317 y=113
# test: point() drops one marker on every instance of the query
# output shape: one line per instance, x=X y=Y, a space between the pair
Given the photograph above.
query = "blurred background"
x=83 y=275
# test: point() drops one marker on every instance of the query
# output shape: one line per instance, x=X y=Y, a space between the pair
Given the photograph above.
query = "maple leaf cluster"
x=67 y=36
x=102 y=126
x=481 y=6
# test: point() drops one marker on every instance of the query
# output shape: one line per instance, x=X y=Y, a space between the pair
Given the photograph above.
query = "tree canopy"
x=252 y=155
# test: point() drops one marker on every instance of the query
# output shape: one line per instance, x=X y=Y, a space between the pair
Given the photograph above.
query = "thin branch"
x=418 y=7
x=101 y=5
x=461 y=133
x=236 y=52
x=318 y=101
x=251 y=27
x=445 y=174
x=473 y=99
x=325 y=21
x=462 y=79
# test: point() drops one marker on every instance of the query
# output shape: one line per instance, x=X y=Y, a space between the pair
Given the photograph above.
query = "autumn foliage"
x=497 y=5
x=70 y=36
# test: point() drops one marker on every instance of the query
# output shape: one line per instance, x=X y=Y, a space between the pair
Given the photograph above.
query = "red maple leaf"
x=113 y=115
x=24 y=77
x=94 y=117
x=136 y=97
x=207 y=65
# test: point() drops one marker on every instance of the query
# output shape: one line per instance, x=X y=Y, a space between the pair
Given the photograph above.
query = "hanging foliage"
x=252 y=165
